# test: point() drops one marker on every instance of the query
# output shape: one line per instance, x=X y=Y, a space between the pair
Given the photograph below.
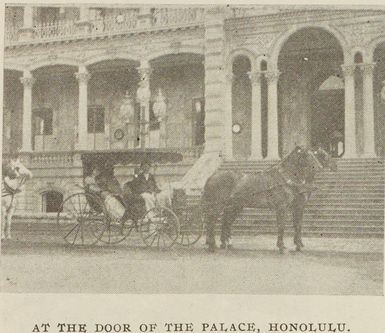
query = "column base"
x=347 y=156
x=368 y=155
x=272 y=158
x=256 y=157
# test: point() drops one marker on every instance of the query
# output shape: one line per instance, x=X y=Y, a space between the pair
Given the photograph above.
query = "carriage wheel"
x=159 y=228
x=115 y=230
x=191 y=226
x=78 y=222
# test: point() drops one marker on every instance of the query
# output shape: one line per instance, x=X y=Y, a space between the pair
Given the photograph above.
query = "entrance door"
x=327 y=121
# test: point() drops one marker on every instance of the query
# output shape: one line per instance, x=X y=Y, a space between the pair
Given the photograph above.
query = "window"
x=95 y=117
x=198 y=106
x=42 y=121
x=51 y=201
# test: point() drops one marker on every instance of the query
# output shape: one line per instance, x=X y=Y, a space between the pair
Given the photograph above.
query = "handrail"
x=125 y=22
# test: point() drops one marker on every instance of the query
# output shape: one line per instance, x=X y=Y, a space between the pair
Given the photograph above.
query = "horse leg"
x=10 y=212
x=281 y=229
x=230 y=213
x=210 y=217
x=3 y=218
x=298 y=209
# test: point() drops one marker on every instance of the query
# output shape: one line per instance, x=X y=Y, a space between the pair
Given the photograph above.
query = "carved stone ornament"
x=145 y=73
x=27 y=81
x=367 y=69
x=272 y=77
x=348 y=70
x=83 y=77
x=255 y=77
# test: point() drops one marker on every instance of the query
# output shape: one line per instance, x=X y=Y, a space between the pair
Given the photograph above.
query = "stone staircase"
x=348 y=203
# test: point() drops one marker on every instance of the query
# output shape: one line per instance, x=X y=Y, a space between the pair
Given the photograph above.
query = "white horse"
x=14 y=176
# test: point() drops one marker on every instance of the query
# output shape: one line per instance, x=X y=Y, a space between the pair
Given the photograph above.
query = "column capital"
x=83 y=76
x=367 y=68
x=272 y=76
x=348 y=70
x=145 y=72
x=27 y=81
x=255 y=77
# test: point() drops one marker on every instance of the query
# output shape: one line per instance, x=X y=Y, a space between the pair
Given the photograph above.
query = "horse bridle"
x=312 y=154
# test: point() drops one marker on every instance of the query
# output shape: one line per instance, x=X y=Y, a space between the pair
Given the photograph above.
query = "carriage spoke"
x=75 y=227
x=76 y=235
x=148 y=236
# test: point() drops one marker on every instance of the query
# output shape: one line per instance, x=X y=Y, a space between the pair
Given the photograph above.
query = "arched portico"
x=277 y=46
x=12 y=110
x=311 y=91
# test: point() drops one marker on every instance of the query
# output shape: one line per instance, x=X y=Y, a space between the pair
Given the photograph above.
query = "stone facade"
x=260 y=72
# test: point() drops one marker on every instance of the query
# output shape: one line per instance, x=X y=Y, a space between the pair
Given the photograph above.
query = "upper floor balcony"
x=29 y=25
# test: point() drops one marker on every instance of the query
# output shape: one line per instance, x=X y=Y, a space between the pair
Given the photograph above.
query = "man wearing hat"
x=144 y=185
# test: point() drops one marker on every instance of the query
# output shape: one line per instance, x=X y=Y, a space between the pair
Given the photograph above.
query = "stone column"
x=217 y=131
x=143 y=95
x=350 y=112
x=26 y=32
x=367 y=80
x=272 y=115
x=83 y=76
x=84 y=23
x=256 y=116
x=145 y=17
x=228 y=135
x=27 y=80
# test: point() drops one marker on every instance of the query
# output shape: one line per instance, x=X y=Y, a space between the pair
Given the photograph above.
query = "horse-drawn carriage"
x=87 y=217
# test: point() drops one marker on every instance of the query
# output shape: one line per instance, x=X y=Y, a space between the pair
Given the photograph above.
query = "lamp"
x=160 y=107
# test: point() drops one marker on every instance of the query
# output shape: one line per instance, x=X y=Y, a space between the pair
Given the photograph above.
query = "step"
x=305 y=228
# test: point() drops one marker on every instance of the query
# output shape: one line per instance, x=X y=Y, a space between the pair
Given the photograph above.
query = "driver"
x=144 y=185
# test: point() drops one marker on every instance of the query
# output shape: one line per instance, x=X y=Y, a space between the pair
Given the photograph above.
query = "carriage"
x=86 y=217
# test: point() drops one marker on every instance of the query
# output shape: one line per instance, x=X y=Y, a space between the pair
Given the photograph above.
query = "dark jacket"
x=108 y=183
x=141 y=185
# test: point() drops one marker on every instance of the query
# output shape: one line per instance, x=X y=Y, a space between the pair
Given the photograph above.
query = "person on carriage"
x=102 y=180
x=145 y=185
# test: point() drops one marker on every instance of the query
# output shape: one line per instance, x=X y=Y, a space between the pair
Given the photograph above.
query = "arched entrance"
x=12 y=111
x=310 y=92
x=54 y=108
x=379 y=101
x=241 y=107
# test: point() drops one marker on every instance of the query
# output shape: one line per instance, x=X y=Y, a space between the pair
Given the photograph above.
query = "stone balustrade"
x=106 y=25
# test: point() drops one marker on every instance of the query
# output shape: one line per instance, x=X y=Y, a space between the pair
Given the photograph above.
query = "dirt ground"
x=41 y=263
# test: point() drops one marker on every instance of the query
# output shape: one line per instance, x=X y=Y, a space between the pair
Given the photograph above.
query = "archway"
x=241 y=107
x=310 y=91
x=113 y=82
x=379 y=103
x=54 y=107
x=12 y=111
x=178 y=79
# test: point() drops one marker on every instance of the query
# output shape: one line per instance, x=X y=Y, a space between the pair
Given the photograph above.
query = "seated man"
x=144 y=185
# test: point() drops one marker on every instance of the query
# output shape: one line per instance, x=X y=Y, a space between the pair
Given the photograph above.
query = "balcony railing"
x=108 y=25
x=176 y=16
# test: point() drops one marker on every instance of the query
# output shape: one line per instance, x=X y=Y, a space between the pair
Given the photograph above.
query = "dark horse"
x=282 y=187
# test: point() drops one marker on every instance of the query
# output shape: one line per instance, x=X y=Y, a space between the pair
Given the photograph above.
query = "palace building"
x=215 y=83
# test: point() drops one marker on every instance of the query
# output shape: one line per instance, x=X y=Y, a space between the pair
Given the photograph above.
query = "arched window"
x=263 y=65
x=358 y=59
x=51 y=201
